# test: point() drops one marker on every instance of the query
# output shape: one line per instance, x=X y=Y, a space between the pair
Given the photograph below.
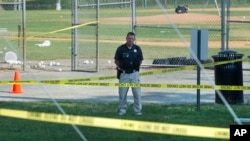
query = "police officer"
x=128 y=58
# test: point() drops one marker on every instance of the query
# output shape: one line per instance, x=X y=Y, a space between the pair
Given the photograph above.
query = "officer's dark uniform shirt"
x=129 y=59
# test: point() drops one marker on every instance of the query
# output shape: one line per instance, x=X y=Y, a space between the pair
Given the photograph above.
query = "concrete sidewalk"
x=102 y=94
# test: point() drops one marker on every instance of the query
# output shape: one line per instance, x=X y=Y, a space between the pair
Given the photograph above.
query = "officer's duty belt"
x=129 y=71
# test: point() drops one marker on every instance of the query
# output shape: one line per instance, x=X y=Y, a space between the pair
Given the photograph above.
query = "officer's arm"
x=117 y=64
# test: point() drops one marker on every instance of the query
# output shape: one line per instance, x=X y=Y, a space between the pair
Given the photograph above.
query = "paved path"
x=109 y=94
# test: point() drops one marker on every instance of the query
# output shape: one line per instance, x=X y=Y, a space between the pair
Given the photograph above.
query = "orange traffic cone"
x=16 y=86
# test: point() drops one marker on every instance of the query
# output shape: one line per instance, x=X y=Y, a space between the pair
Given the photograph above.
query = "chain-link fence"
x=168 y=31
x=238 y=21
x=161 y=32
x=100 y=41
x=10 y=32
x=155 y=29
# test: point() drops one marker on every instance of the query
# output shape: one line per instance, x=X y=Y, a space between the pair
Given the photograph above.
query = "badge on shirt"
x=135 y=50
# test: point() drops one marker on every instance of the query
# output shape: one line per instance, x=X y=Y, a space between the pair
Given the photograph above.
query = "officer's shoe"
x=120 y=113
x=138 y=113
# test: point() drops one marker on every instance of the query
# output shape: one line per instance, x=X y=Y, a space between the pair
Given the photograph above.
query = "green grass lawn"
x=210 y=115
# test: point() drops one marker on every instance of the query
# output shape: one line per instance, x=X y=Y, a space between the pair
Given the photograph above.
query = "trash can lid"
x=227 y=52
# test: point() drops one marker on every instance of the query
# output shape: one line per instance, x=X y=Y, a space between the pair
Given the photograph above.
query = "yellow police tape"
x=83 y=82
x=164 y=86
x=190 y=67
x=107 y=84
x=68 y=28
x=120 y=124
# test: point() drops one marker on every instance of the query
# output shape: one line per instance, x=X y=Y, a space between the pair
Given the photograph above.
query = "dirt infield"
x=164 y=19
x=179 y=18
x=188 y=18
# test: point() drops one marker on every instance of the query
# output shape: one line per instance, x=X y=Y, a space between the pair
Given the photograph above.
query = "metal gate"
x=97 y=35
x=85 y=37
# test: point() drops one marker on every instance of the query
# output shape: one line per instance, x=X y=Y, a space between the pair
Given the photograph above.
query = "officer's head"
x=130 y=38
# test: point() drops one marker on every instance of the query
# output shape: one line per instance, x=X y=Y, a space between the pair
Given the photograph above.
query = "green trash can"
x=229 y=74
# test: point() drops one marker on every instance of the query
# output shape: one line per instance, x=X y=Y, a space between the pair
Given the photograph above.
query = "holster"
x=118 y=73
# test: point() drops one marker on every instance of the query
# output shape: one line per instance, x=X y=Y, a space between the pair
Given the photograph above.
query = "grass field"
x=210 y=115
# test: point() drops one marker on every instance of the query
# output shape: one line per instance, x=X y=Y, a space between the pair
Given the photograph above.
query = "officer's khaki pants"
x=129 y=78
